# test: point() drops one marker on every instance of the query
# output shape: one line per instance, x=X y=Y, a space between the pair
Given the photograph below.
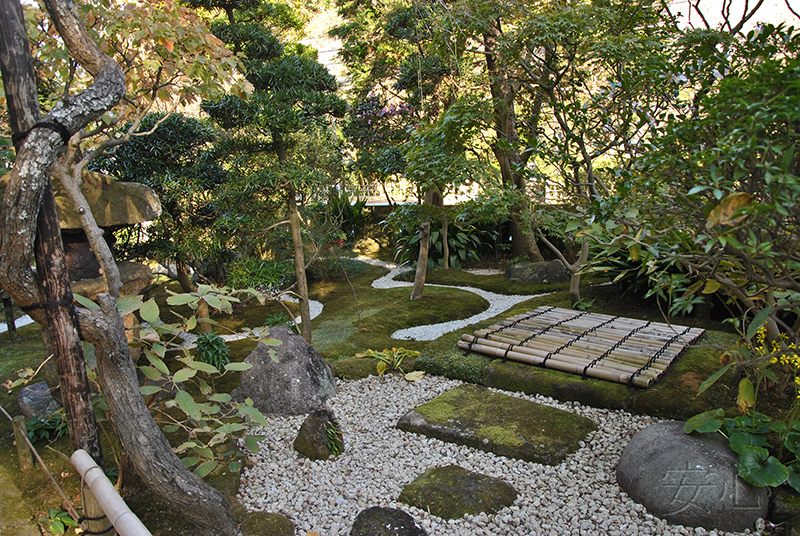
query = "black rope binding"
x=515 y=322
x=65 y=301
x=658 y=354
x=614 y=347
x=84 y=518
x=572 y=341
x=55 y=126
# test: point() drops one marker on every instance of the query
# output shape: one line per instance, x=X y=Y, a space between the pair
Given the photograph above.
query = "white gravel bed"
x=578 y=497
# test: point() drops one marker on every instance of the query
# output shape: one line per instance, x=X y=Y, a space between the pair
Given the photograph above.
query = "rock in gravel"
x=377 y=521
x=689 y=479
x=479 y=418
x=320 y=436
x=297 y=381
x=267 y=524
x=450 y=492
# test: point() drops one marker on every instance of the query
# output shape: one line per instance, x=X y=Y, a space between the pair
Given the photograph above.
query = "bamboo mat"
x=613 y=348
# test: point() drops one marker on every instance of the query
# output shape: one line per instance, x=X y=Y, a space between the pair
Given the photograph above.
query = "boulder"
x=479 y=418
x=298 y=381
x=320 y=436
x=377 y=521
x=538 y=272
x=785 y=505
x=689 y=479
x=267 y=524
x=35 y=401
x=450 y=492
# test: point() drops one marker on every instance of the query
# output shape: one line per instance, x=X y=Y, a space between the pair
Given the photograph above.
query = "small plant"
x=50 y=428
x=391 y=360
x=584 y=305
x=277 y=319
x=212 y=349
x=57 y=521
x=333 y=437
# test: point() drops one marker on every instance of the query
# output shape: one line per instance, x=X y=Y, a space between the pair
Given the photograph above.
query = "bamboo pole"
x=125 y=522
x=560 y=365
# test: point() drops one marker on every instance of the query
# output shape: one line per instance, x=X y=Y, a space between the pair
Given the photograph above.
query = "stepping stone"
x=450 y=492
x=479 y=418
x=377 y=521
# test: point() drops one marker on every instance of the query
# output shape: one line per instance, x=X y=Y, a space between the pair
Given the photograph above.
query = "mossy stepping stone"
x=450 y=492
x=479 y=418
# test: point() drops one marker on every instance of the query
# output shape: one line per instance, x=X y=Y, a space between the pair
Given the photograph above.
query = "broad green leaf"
x=794 y=477
x=152 y=373
x=86 y=302
x=205 y=468
x=215 y=302
x=713 y=378
x=170 y=428
x=189 y=461
x=792 y=442
x=251 y=442
x=128 y=304
x=757 y=467
x=230 y=427
x=148 y=390
x=759 y=320
x=203 y=367
x=238 y=367
x=270 y=342
x=381 y=367
x=709 y=421
x=254 y=414
x=150 y=313
x=737 y=440
x=184 y=374
x=157 y=363
x=183 y=447
x=180 y=299
x=220 y=397
x=187 y=404
x=234 y=466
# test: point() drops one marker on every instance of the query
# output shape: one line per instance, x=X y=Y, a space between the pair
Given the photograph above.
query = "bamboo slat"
x=617 y=349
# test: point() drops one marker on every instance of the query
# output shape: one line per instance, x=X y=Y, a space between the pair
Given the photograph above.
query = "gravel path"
x=578 y=497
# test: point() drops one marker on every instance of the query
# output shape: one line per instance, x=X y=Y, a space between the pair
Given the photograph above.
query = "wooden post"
x=23 y=452
x=96 y=520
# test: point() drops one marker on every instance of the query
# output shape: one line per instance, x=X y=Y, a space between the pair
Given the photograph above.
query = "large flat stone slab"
x=479 y=418
x=452 y=491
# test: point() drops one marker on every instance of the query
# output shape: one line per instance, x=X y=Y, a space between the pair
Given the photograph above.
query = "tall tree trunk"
x=8 y=310
x=55 y=293
x=424 y=246
x=297 y=242
x=511 y=162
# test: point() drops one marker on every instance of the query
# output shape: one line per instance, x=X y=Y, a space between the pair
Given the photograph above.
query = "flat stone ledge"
x=505 y=425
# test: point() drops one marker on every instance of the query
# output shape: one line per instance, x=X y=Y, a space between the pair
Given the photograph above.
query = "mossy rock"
x=267 y=524
x=785 y=505
x=520 y=377
x=508 y=426
x=451 y=492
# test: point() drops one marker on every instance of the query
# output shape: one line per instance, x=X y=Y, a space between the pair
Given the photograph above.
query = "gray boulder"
x=689 y=480
x=320 y=436
x=377 y=521
x=36 y=401
x=298 y=382
x=450 y=492
x=537 y=272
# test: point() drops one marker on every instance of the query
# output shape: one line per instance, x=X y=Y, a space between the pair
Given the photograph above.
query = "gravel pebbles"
x=578 y=497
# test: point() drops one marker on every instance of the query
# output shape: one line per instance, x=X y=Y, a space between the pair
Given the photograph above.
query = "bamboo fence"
x=613 y=348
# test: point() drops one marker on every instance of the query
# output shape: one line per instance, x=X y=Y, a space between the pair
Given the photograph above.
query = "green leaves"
x=709 y=421
x=757 y=467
